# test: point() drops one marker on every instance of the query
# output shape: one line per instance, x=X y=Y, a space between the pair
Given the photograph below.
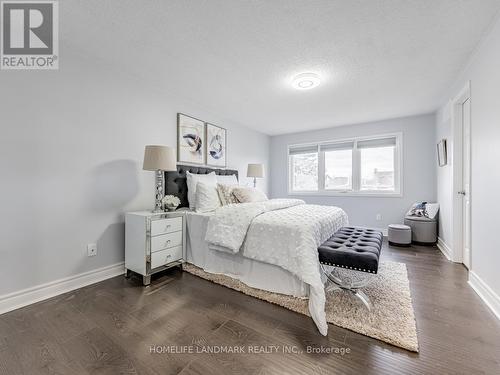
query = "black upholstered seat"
x=351 y=247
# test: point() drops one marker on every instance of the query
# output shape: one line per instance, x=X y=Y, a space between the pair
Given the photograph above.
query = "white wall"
x=484 y=75
x=444 y=176
x=419 y=173
x=71 y=149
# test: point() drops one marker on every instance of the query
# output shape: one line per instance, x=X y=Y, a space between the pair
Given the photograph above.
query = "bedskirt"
x=253 y=273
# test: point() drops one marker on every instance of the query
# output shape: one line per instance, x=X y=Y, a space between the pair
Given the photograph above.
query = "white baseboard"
x=490 y=298
x=445 y=249
x=16 y=300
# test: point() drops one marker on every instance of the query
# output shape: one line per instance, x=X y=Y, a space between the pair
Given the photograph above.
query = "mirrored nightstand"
x=154 y=242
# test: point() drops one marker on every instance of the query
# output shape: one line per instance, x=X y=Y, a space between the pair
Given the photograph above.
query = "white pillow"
x=192 y=181
x=227 y=180
x=247 y=195
x=432 y=209
x=207 y=198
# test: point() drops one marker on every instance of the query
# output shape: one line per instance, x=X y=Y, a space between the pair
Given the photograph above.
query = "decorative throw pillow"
x=227 y=180
x=207 y=198
x=226 y=194
x=419 y=209
x=192 y=181
x=247 y=195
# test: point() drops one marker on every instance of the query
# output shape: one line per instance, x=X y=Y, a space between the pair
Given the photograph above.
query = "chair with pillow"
x=423 y=220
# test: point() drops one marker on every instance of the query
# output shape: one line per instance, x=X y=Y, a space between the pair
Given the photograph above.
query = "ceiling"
x=377 y=59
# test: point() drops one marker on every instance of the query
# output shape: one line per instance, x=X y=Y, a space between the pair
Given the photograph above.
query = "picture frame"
x=191 y=138
x=216 y=145
x=442 y=153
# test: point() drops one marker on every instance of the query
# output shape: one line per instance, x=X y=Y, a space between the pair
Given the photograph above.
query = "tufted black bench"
x=352 y=248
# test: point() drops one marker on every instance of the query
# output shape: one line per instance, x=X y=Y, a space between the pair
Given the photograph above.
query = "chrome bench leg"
x=364 y=298
x=335 y=283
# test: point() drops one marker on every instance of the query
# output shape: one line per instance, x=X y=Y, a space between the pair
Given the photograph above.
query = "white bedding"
x=252 y=272
x=228 y=228
x=282 y=232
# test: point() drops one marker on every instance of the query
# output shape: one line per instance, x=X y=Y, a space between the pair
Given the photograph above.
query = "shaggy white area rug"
x=391 y=318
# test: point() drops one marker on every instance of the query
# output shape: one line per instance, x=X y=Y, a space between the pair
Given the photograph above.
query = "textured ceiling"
x=377 y=58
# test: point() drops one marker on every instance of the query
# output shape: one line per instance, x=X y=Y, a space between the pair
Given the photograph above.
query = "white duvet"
x=282 y=232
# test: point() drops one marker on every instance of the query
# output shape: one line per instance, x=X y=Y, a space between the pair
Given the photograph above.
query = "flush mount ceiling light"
x=306 y=81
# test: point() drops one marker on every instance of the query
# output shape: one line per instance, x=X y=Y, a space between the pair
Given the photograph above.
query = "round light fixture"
x=306 y=81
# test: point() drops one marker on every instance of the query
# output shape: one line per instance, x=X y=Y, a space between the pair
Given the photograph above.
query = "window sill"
x=346 y=194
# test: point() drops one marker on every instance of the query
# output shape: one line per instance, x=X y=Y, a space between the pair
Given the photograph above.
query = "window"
x=304 y=166
x=369 y=166
x=377 y=164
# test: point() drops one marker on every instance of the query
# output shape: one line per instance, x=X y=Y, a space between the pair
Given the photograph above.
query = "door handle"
x=461 y=192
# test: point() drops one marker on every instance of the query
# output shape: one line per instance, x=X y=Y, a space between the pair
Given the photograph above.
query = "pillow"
x=424 y=209
x=227 y=180
x=432 y=209
x=192 y=181
x=207 y=198
x=418 y=209
x=226 y=194
x=247 y=195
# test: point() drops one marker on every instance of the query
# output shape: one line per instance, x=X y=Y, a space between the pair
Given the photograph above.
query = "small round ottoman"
x=423 y=229
x=399 y=235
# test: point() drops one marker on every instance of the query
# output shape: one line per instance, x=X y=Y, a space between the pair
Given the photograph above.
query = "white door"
x=466 y=214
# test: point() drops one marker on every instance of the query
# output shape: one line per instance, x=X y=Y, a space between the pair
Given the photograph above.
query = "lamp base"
x=159 y=192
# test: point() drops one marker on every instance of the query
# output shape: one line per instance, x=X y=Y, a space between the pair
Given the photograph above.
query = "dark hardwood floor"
x=114 y=327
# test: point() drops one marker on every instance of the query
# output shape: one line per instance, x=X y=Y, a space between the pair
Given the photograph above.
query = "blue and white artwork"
x=190 y=140
x=216 y=146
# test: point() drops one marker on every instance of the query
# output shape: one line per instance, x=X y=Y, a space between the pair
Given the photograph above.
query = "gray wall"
x=71 y=149
x=444 y=177
x=419 y=172
x=484 y=75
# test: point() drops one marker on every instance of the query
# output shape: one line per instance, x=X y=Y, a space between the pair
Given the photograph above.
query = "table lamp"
x=255 y=171
x=159 y=159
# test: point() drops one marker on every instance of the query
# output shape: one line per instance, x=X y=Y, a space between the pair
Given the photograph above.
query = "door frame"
x=457 y=164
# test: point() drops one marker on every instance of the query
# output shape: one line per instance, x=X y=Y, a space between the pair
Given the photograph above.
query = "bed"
x=253 y=273
x=268 y=245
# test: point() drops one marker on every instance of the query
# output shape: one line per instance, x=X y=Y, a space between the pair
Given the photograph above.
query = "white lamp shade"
x=159 y=158
x=255 y=170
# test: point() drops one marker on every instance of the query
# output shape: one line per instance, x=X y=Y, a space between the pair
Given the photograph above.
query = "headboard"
x=176 y=182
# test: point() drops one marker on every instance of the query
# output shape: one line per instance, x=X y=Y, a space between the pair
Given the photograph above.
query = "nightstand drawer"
x=166 y=226
x=163 y=257
x=165 y=241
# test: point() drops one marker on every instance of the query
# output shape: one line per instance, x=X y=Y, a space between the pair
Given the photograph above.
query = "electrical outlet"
x=92 y=249
x=378 y=217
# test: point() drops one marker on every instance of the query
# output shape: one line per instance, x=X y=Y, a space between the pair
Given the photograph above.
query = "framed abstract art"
x=216 y=146
x=190 y=140
x=442 y=153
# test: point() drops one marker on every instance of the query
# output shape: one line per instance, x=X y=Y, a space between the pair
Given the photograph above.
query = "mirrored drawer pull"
x=165 y=241
x=163 y=257
x=159 y=227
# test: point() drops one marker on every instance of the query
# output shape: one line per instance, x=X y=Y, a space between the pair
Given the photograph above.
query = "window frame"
x=356 y=169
